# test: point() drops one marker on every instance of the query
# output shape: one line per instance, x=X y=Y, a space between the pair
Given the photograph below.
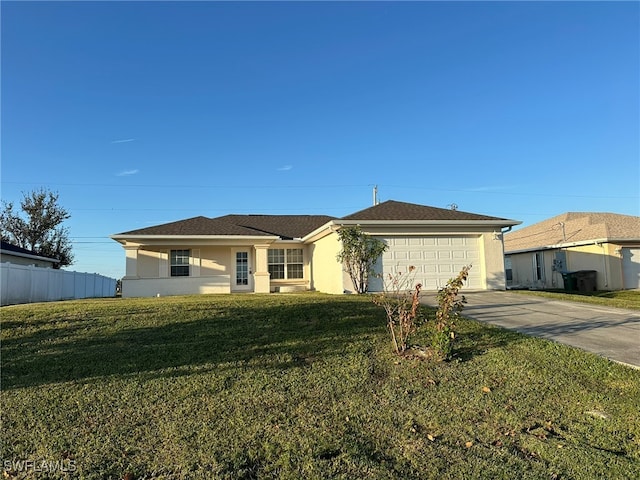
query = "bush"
x=401 y=300
x=449 y=308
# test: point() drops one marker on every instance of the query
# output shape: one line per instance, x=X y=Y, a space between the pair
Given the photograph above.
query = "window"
x=285 y=263
x=508 y=270
x=180 y=263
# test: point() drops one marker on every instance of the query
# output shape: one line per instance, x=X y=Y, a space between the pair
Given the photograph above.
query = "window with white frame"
x=285 y=263
x=180 y=263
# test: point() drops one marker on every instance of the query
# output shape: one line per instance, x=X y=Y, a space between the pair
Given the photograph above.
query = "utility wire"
x=306 y=187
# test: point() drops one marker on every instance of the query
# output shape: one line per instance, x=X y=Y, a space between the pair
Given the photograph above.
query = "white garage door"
x=437 y=259
x=631 y=267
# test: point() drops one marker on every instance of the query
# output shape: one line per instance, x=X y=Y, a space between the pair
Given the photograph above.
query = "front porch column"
x=132 y=262
x=261 y=282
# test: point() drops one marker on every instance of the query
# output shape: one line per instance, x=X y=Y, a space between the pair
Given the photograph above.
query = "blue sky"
x=141 y=113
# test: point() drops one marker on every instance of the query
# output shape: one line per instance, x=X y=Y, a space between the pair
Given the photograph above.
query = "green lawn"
x=300 y=386
x=619 y=299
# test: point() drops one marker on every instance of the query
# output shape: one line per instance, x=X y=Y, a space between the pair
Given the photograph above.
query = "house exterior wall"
x=18 y=260
x=524 y=274
x=326 y=273
x=604 y=258
x=215 y=261
x=148 y=264
x=152 y=287
x=492 y=261
x=210 y=272
x=522 y=271
x=627 y=268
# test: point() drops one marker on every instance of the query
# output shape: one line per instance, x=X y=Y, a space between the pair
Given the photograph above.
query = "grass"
x=619 y=299
x=300 y=386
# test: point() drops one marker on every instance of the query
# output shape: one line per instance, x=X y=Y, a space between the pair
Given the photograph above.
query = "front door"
x=243 y=275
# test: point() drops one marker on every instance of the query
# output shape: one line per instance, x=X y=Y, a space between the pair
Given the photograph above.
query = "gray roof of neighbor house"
x=393 y=210
x=10 y=248
x=574 y=227
x=283 y=226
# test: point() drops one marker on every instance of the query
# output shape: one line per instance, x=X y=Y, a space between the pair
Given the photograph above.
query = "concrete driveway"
x=613 y=333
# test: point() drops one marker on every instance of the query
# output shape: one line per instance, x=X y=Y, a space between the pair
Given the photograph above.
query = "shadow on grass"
x=179 y=342
x=475 y=339
x=194 y=337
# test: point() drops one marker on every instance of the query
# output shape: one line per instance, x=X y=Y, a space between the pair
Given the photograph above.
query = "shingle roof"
x=284 y=226
x=195 y=226
x=298 y=226
x=573 y=227
x=392 y=210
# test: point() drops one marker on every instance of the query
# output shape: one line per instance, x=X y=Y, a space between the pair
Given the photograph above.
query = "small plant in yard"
x=400 y=301
x=449 y=308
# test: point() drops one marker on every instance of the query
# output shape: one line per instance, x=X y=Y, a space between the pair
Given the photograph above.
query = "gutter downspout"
x=604 y=265
x=504 y=266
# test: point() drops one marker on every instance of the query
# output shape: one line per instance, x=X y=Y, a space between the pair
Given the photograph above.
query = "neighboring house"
x=608 y=243
x=21 y=256
x=268 y=253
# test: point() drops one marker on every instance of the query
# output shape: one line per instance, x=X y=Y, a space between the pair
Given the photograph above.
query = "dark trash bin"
x=586 y=280
x=570 y=281
x=580 y=281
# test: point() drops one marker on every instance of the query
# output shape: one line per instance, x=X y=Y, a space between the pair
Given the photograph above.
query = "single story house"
x=270 y=253
x=21 y=256
x=607 y=243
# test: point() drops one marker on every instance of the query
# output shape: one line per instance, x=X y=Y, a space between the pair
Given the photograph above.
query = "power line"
x=336 y=186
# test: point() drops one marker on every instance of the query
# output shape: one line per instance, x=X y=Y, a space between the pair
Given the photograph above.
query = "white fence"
x=28 y=284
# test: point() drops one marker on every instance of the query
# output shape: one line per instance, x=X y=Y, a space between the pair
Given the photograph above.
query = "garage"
x=436 y=258
x=631 y=267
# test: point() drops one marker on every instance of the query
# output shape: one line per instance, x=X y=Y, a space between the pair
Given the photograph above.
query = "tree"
x=38 y=226
x=358 y=255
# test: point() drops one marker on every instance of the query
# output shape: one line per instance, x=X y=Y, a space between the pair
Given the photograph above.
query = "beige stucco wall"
x=492 y=261
x=215 y=261
x=207 y=260
x=148 y=264
x=152 y=287
x=326 y=272
x=602 y=257
x=522 y=271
